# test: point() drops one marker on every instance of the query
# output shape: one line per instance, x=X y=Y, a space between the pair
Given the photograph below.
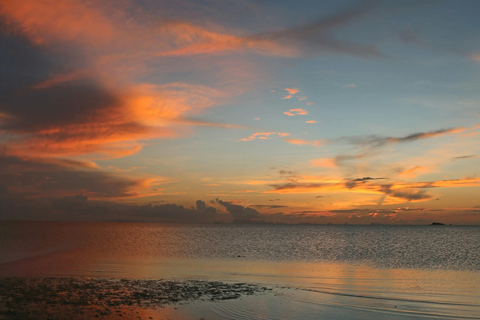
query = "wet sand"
x=90 y=298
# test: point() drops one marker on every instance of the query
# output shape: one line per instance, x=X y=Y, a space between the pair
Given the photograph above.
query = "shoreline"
x=109 y=298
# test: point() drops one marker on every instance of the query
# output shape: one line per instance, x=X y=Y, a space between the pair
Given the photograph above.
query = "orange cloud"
x=392 y=192
x=291 y=92
x=316 y=143
x=264 y=135
x=114 y=125
x=413 y=172
x=49 y=20
x=327 y=163
x=311 y=121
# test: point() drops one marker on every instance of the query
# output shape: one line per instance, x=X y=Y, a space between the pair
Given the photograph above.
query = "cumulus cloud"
x=176 y=213
x=240 y=213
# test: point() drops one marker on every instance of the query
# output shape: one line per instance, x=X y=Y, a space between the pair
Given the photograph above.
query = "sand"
x=90 y=298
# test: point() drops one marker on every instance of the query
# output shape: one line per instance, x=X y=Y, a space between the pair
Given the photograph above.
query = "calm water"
x=392 y=271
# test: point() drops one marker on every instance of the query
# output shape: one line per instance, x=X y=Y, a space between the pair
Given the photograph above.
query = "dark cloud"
x=176 y=213
x=367 y=179
x=74 y=102
x=470 y=156
x=288 y=186
x=404 y=193
x=240 y=213
x=374 y=141
x=47 y=177
x=353 y=183
x=409 y=195
x=21 y=63
x=80 y=208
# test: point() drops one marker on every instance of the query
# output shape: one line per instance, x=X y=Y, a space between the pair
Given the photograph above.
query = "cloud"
x=71 y=92
x=326 y=163
x=316 y=38
x=311 y=38
x=37 y=177
x=240 y=213
x=378 y=141
x=414 y=171
x=84 y=116
x=291 y=92
x=351 y=85
x=296 y=112
x=47 y=21
x=316 y=143
x=264 y=135
x=470 y=156
x=176 y=213
x=311 y=121
x=414 y=191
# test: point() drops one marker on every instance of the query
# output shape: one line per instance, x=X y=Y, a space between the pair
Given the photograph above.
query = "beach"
x=88 y=298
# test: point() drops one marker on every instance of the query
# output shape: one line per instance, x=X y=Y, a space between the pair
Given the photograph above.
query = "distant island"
x=437 y=224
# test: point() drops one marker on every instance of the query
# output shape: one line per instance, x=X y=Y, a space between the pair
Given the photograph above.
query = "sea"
x=321 y=271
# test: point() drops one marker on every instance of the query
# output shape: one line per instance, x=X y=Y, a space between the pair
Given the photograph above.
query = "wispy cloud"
x=470 y=156
x=316 y=143
x=402 y=191
x=296 y=112
x=264 y=135
x=414 y=171
x=311 y=121
x=378 y=141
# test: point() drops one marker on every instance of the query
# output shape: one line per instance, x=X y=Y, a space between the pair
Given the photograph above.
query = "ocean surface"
x=326 y=272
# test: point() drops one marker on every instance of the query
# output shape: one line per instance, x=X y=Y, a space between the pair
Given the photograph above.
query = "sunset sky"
x=339 y=111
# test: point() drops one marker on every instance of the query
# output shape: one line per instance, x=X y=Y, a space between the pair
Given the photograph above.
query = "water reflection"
x=381 y=269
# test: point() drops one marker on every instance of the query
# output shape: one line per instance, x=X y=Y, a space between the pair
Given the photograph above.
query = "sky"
x=346 y=111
